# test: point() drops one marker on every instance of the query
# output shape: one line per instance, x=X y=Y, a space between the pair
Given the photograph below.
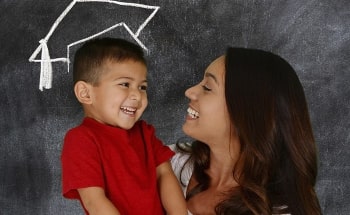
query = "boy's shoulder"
x=80 y=128
x=144 y=127
x=86 y=127
x=143 y=124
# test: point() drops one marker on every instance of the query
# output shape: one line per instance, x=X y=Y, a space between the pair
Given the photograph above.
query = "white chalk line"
x=46 y=67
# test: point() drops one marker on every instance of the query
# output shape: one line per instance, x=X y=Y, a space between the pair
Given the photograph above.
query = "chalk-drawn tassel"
x=46 y=67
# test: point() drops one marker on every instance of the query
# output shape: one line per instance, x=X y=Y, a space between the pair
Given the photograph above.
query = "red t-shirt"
x=122 y=162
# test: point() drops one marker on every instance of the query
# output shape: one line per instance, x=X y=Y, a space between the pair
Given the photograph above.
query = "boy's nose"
x=135 y=94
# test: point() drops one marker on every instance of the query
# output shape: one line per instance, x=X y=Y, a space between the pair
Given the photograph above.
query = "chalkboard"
x=180 y=39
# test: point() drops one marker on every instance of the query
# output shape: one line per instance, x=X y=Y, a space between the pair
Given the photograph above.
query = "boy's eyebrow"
x=130 y=78
x=211 y=75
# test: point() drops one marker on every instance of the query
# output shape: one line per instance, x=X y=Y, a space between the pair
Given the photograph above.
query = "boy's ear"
x=82 y=92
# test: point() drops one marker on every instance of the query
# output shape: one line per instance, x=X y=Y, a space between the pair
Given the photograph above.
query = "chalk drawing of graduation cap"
x=46 y=61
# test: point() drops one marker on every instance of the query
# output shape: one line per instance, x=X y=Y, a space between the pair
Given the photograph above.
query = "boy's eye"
x=144 y=87
x=124 y=84
x=206 y=88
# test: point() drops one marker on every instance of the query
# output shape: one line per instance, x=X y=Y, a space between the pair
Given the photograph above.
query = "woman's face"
x=207 y=117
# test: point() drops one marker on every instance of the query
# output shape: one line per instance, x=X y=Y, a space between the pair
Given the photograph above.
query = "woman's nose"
x=191 y=93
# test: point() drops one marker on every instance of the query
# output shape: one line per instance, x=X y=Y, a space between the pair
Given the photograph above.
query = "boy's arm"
x=96 y=202
x=173 y=199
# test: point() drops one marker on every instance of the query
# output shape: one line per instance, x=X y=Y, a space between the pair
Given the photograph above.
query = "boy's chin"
x=126 y=126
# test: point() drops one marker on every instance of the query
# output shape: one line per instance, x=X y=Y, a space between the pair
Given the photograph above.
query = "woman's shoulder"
x=280 y=210
x=180 y=158
x=181 y=164
x=180 y=147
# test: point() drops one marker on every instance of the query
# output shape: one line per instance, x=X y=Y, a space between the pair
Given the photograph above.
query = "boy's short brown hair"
x=90 y=57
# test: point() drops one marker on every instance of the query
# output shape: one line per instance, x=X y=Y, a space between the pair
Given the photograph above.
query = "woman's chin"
x=188 y=130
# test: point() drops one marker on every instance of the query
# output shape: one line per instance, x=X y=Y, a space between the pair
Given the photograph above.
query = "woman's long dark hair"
x=278 y=158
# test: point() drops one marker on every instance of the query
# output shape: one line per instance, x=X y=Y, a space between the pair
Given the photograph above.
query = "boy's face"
x=120 y=97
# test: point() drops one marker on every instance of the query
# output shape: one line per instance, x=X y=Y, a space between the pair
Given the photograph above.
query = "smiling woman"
x=208 y=103
x=254 y=151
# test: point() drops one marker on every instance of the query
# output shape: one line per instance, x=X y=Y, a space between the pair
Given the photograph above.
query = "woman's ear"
x=82 y=92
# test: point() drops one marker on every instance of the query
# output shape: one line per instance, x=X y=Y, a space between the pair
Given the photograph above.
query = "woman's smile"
x=193 y=114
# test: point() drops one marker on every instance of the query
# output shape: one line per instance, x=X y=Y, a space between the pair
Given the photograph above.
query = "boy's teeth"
x=192 y=113
x=128 y=109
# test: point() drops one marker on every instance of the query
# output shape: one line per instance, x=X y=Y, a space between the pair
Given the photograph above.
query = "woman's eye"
x=206 y=88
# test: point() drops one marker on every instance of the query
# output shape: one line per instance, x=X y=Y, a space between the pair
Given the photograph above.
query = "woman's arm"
x=96 y=202
x=171 y=195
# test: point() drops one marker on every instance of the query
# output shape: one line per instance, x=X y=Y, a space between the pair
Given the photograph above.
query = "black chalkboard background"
x=182 y=38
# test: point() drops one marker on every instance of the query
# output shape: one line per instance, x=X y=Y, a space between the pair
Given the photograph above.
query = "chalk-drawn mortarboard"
x=46 y=66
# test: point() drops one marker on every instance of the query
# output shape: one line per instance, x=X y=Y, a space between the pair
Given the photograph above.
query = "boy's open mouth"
x=128 y=110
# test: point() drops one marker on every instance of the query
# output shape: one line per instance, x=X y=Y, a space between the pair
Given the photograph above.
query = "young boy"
x=113 y=162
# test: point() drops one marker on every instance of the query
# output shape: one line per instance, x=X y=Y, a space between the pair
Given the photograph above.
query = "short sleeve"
x=81 y=163
x=162 y=153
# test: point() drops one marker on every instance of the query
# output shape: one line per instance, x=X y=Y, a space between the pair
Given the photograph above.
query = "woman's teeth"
x=192 y=113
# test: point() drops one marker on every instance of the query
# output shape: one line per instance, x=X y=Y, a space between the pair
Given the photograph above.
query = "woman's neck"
x=222 y=163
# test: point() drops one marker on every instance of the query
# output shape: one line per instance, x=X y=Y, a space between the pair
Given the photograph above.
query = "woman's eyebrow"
x=211 y=75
